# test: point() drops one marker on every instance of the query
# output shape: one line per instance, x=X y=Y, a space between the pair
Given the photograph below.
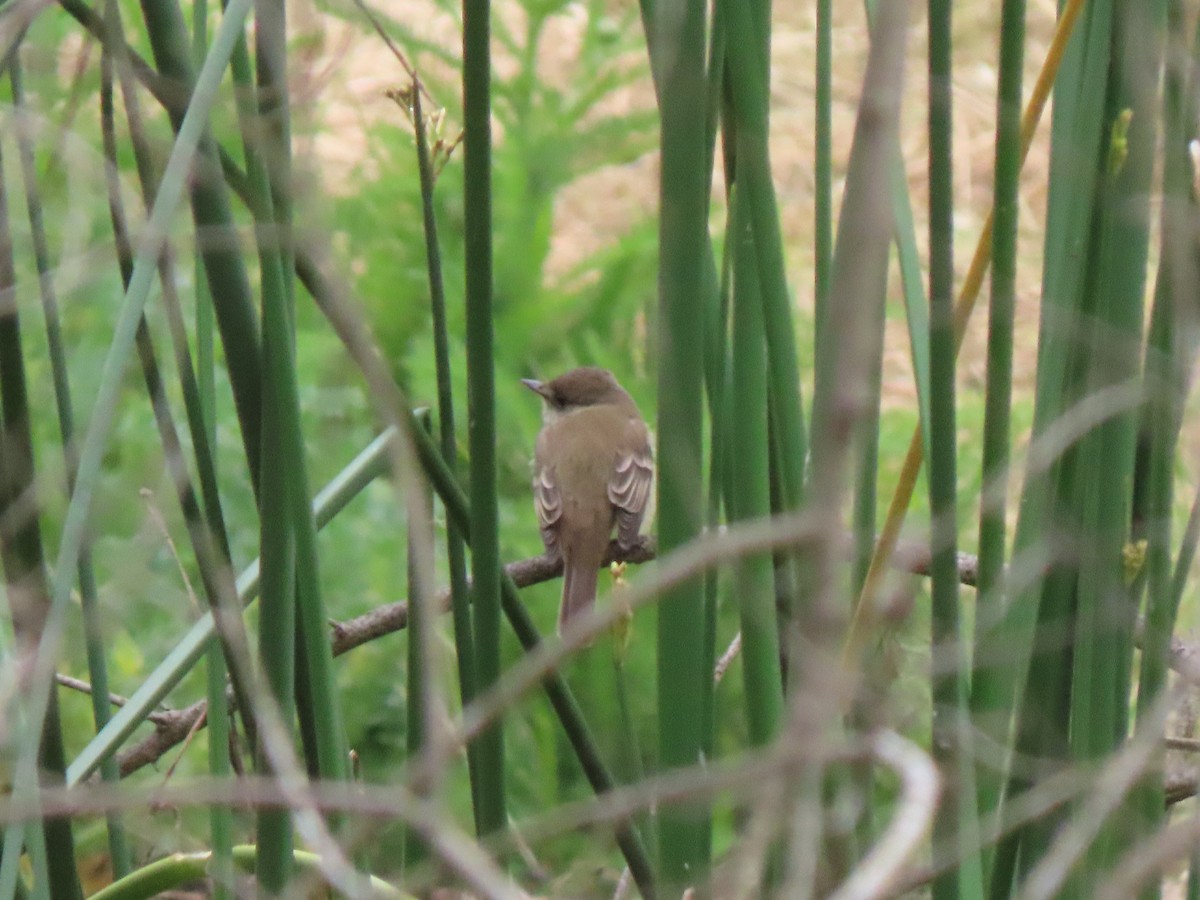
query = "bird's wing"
x=629 y=491
x=548 y=503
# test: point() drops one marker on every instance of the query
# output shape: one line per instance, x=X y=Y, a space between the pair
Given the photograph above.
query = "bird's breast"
x=580 y=450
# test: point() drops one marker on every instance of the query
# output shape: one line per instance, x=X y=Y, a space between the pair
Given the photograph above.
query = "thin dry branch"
x=172 y=727
x=920 y=788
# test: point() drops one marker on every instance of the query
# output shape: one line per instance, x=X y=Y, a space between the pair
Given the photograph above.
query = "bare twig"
x=457 y=850
x=920 y=786
x=1116 y=779
x=83 y=687
x=408 y=67
x=1151 y=857
x=173 y=726
x=170 y=728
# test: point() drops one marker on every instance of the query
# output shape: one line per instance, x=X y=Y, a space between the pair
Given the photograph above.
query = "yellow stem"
x=967 y=298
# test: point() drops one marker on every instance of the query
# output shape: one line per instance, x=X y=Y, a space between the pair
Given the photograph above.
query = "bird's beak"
x=534 y=385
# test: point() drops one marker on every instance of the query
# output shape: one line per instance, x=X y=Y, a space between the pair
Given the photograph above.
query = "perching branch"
x=171 y=727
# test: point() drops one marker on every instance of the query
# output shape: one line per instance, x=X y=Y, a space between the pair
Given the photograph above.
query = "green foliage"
x=550 y=135
x=569 y=120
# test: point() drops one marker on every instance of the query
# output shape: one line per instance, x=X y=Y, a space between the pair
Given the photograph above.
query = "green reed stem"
x=191 y=131
x=31 y=606
x=748 y=444
x=485 y=537
x=119 y=852
x=204 y=399
x=456 y=557
x=683 y=200
x=955 y=824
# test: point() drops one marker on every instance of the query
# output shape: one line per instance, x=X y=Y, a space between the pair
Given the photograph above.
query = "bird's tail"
x=580 y=577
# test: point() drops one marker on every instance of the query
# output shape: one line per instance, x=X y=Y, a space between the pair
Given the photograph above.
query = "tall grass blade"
x=321 y=713
x=955 y=823
x=1041 y=605
x=1170 y=356
x=419 y=712
x=29 y=597
x=456 y=557
x=119 y=852
x=485 y=547
x=823 y=164
x=200 y=400
x=1104 y=632
x=968 y=294
x=679 y=29
x=92 y=449
x=747 y=422
x=747 y=42
x=227 y=280
x=1001 y=312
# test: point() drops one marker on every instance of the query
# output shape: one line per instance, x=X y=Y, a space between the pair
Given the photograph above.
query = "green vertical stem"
x=219 y=747
x=997 y=425
x=485 y=539
x=716 y=317
x=1104 y=632
x=119 y=852
x=219 y=766
x=91 y=451
x=1007 y=638
x=716 y=295
x=456 y=558
x=823 y=162
x=1170 y=355
x=277 y=635
x=278 y=629
x=205 y=321
x=23 y=557
x=748 y=68
x=203 y=435
x=213 y=561
x=998 y=398
x=293 y=641
x=321 y=711
x=748 y=437
x=224 y=267
x=679 y=30
x=954 y=822
x=417 y=711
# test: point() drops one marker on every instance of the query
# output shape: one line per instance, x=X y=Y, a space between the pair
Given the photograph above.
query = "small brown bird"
x=593 y=470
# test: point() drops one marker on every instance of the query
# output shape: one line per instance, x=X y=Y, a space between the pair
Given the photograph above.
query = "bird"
x=593 y=471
